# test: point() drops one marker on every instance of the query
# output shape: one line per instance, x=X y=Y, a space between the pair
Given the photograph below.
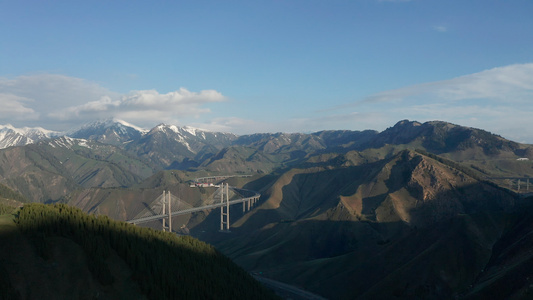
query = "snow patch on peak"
x=108 y=123
x=12 y=136
x=7 y=127
x=195 y=131
x=174 y=128
x=28 y=130
x=160 y=127
x=183 y=131
x=124 y=123
x=68 y=142
x=190 y=130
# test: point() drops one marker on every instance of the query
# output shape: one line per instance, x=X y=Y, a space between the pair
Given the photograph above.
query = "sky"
x=268 y=66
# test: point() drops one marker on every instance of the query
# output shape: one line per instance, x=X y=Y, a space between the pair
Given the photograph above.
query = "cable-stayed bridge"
x=167 y=206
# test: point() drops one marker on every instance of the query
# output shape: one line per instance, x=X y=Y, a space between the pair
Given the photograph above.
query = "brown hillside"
x=346 y=232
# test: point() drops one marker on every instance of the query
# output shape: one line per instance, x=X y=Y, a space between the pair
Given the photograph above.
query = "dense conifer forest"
x=164 y=266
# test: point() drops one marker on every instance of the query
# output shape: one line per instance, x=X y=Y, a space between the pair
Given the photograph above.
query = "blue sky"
x=268 y=66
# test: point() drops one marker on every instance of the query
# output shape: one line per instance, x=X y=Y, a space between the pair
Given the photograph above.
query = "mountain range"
x=173 y=147
x=418 y=211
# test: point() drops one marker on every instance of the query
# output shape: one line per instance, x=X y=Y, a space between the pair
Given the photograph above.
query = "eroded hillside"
x=348 y=232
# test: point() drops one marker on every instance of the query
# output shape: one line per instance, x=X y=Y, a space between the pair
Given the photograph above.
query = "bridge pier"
x=248 y=204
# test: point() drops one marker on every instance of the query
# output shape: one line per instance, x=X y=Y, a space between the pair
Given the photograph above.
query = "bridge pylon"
x=162 y=208
x=224 y=210
x=163 y=199
x=166 y=202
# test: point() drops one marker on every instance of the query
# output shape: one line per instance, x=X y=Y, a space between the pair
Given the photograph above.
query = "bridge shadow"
x=438 y=253
x=149 y=208
x=155 y=223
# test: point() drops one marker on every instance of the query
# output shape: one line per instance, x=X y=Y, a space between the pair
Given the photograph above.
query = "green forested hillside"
x=122 y=260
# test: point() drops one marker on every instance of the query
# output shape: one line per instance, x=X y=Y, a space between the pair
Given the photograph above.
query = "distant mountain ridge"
x=110 y=131
x=186 y=148
x=173 y=147
x=440 y=137
x=194 y=145
x=11 y=136
x=114 y=153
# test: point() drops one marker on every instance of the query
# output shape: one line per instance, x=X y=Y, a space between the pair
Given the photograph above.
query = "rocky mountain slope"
x=458 y=142
x=416 y=226
x=173 y=147
x=51 y=169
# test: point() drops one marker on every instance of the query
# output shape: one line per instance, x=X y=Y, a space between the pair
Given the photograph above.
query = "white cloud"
x=152 y=98
x=498 y=100
x=512 y=83
x=28 y=100
x=58 y=102
x=348 y=120
x=51 y=89
x=103 y=108
x=16 y=107
x=236 y=125
x=143 y=106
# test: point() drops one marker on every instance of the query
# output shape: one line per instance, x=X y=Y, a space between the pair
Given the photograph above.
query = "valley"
x=418 y=211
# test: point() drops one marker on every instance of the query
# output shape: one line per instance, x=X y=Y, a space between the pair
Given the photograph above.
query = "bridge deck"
x=195 y=209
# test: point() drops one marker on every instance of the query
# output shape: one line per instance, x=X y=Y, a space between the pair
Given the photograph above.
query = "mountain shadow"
x=59 y=252
x=409 y=227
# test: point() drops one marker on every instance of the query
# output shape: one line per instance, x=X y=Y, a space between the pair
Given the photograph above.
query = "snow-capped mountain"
x=177 y=142
x=170 y=145
x=110 y=131
x=11 y=136
x=163 y=145
x=193 y=139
